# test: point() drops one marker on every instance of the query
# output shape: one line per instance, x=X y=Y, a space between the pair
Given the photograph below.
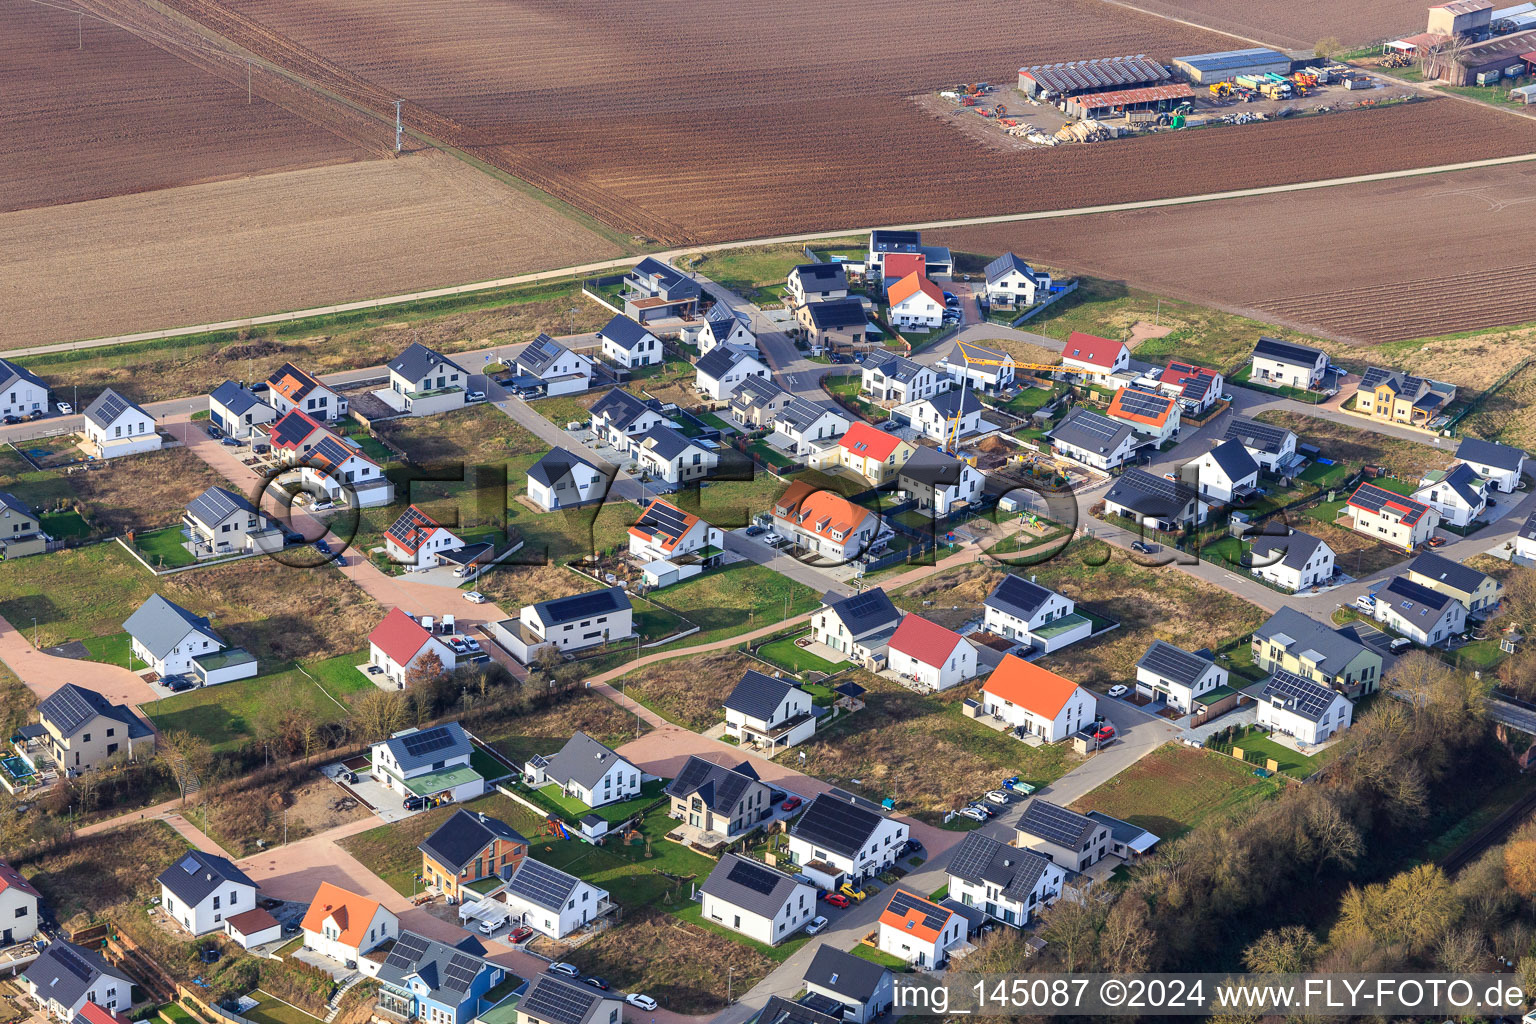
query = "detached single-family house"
x=1289 y=641
x=1071 y=840
x=430 y=981
x=874 y=454
x=833 y=324
x=1155 y=502
x=238 y=411
x=888 y=377
x=755 y=900
x=862 y=987
x=709 y=797
x=343 y=925
x=563 y=372
x=1093 y=440
x=1425 y=616
x=336 y=469
x=919 y=931
x=916 y=303
x=1011 y=282
x=883 y=243
x=551 y=999
x=628 y=344
x=294 y=435
x=432 y=763
x=1022 y=610
x=930 y=655
x=939 y=483
x=1295 y=562
x=1525 y=542
x=1037 y=701
x=816 y=282
x=170 y=640
x=619 y=417
x=655 y=291
x=1226 y=473
x=19 y=900
x=21 y=532
x=399 y=643
x=665 y=531
x=587 y=770
x=842 y=838
x=955 y=413
x=1195 y=387
x=824 y=523
x=1393 y=396
x=201 y=889
x=1005 y=882
x=756 y=402
x=769 y=713
x=1177 y=676
x=291 y=389
x=85 y=730
x=467 y=848
x=1295 y=706
x=898 y=265
x=1284 y=363
x=671 y=457
x=22 y=392
x=1388 y=516
x=1458 y=494
x=1151 y=414
x=575 y=623
x=116 y=426
x=417 y=539
x=561 y=480
x=1098 y=358
x=65 y=977
x=1478 y=591
x=1499 y=464
x=423 y=381
x=220 y=521
x=726 y=327
x=860 y=625
x=803 y=422
x=986 y=368
x=721 y=371
x=1272 y=447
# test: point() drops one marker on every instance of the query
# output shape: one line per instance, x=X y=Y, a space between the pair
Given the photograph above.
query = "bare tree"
x=186 y=757
x=1289 y=950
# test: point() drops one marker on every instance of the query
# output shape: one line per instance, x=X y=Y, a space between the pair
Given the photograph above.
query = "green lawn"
x=1243 y=376
x=561 y=409
x=1028 y=400
x=371 y=446
x=756 y=273
x=873 y=954
x=102 y=582
x=163 y=548
x=1255 y=740
x=487 y=766
x=786 y=655
x=64 y=525
x=1325 y=477
x=735 y=599
x=272 y=1010
x=848 y=389
x=111 y=650
x=573 y=810
x=1175 y=788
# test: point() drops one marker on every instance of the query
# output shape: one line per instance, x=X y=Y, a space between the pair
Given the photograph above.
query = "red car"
x=837 y=899
x=1104 y=733
x=519 y=934
x=791 y=803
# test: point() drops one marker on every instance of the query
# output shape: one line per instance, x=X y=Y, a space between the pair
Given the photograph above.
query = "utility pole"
x=399 y=126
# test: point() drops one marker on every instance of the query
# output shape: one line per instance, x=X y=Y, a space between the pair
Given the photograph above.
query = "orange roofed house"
x=920 y=931
x=825 y=523
x=916 y=302
x=291 y=388
x=1151 y=414
x=874 y=454
x=1037 y=701
x=343 y=926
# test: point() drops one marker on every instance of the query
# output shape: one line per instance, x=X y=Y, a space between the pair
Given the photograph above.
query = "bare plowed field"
x=119 y=116
x=1301 y=23
x=1383 y=261
x=274 y=242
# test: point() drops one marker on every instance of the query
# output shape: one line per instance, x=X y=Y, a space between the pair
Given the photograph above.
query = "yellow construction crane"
x=952 y=433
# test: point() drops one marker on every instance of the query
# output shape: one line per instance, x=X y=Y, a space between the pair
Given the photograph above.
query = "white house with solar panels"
x=201 y=890
x=756 y=901
x=1093 y=440
x=1004 y=882
x=551 y=999
x=1272 y=447
x=919 y=931
x=770 y=713
x=221 y=522
x=841 y=838
x=1286 y=364
x=628 y=344
x=1073 y=841
x=1177 y=676
x=115 y=427
x=1012 y=282
x=65 y=978
x=562 y=371
x=1295 y=706
x=568 y=623
x=551 y=901
x=1036 y=616
x=430 y=763
x=417 y=539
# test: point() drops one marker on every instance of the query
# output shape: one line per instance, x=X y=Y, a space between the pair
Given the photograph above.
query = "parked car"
x=817 y=924
x=489 y=927
x=836 y=899
x=754 y=530
x=644 y=1002
x=474 y=396
x=569 y=970
x=1227 y=399
x=10 y=419
x=180 y=684
x=910 y=847
x=229 y=442
x=414 y=803
x=471 y=644
x=772 y=539
x=1118 y=690
x=1366 y=603
x=1104 y=733
x=475 y=597
x=986 y=812
x=802 y=878
x=39 y=414
x=522 y=933
x=1140 y=546
x=777 y=796
x=974 y=813
x=997 y=796
x=1435 y=542
x=853 y=892
x=64 y=408
x=261 y=449
x=213 y=431
x=791 y=803
x=323 y=506
x=292 y=537
x=601 y=984
x=322 y=547
x=951 y=299
x=1400 y=645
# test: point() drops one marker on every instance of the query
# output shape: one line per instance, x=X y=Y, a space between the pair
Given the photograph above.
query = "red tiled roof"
x=820 y=512
x=914 y=920
x=1030 y=687
x=667 y=541
x=870 y=442
x=95 y=1014
x=900 y=264
x=1178 y=372
x=910 y=286
x=10 y=877
x=290 y=432
x=399 y=636
x=412 y=530
x=1091 y=349
x=293 y=383
x=351 y=912
x=1119 y=412
x=928 y=642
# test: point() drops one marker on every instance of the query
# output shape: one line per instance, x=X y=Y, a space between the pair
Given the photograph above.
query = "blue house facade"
x=426 y=980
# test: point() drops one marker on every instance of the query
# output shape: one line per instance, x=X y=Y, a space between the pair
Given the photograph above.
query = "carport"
x=490 y=911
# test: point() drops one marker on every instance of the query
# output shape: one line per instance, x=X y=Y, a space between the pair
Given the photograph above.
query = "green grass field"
x=112 y=650
x=272 y=1010
x=1256 y=741
x=735 y=599
x=574 y=810
x=103 y=583
x=786 y=655
x=163 y=548
x=1175 y=788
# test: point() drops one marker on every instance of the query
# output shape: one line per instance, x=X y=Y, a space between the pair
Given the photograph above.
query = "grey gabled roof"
x=1017 y=596
x=159 y=625
x=561 y=610
x=71 y=706
x=757 y=695
x=895 y=367
x=756 y=391
x=778 y=1010
x=833 y=314
x=620 y=408
x=1150 y=495
x=554 y=1000
x=1453 y=574
x=849 y=976
x=956 y=401
x=541 y=353
x=449 y=972
x=1287 y=352
x=64 y=972
x=556 y=465
x=1005 y=263
x=419 y=748
x=12 y=503
x=826 y=276
x=838 y=825
x=216 y=504
x=542 y=885
x=1490 y=453
x=1295 y=549
x=1091 y=431
x=1297 y=633
x=719 y=361
x=1415 y=602
x=750 y=886
x=583 y=760
x=417 y=361
x=197 y=874
x=664 y=441
x=1174 y=663
x=235 y=398
x=986 y=861
x=10 y=371
x=1298 y=695
x=110 y=405
x=863 y=613
x=932 y=468
x=1528 y=531
x=1234 y=461
x=625 y=333
x=1463 y=480
x=801 y=414
x=1250 y=433
x=460 y=839
x=1054 y=823
x=721 y=320
x=718 y=786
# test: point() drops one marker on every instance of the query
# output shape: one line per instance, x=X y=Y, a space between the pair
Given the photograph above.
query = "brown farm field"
x=1300 y=24
x=1372 y=280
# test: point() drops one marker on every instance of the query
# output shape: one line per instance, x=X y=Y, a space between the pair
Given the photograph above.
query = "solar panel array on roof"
x=1056 y=824
x=1143 y=403
x=556 y=1001
x=111 y=406
x=68 y=708
x=1174 y=663
x=330 y=451
x=428 y=740
x=579 y=606
x=837 y=824
x=664 y=519
x=73 y=962
x=409 y=528
x=1093 y=75
x=1253 y=434
x=541 y=884
x=905 y=904
x=407 y=950
x=461 y=971
x=758 y=879
x=1299 y=694
x=1374 y=499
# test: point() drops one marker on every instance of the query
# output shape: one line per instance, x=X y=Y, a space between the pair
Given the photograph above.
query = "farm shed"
x=1504 y=56
x=1461 y=17
x=1082 y=76
x=1525 y=94
x=1225 y=66
x=1108 y=104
